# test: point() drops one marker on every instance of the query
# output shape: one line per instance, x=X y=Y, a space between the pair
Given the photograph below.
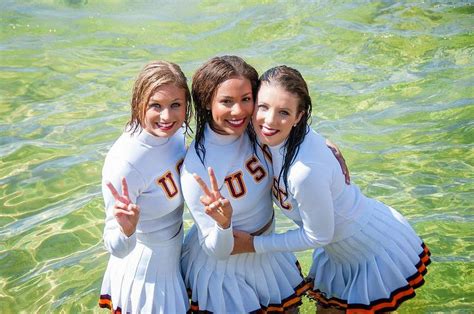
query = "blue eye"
x=175 y=105
x=154 y=106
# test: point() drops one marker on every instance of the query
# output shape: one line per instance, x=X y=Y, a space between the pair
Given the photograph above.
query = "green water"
x=392 y=84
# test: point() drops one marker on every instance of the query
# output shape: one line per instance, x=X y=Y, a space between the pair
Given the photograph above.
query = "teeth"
x=165 y=125
x=236 y=122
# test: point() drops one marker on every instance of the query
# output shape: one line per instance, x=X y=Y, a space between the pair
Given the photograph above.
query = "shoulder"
x=192 y=162
x=304 y=172
x=115 y=168
x=191 y=154
x=313 y=146
x=315 y=150
x=126 y=148
x=118 y=154
x=313 y=162
x=178 y=141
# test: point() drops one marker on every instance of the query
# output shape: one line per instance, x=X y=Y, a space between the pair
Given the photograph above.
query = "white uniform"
x=143 y=274
x=220 y=282
x=367 y=257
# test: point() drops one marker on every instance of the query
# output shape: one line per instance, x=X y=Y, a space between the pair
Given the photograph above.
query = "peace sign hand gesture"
x=126 y=213
x=216 y=206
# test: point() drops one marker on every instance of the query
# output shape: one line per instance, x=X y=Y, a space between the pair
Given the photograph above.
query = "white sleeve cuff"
x=119 y=244
x=125 y=239
x=220 y=229
x=258 y=244
x=220 y=242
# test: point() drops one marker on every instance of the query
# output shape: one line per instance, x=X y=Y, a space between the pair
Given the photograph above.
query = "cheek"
x=254 y=116
x=251 y=108
x=149 y=114
x=182 y=113
x=218 y=112
x=216 y=116
x=259 y=115
x=288 y=126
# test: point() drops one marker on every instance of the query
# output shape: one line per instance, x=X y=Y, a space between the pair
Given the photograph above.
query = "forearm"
x=117 y=243
x=290 y=241
x=219 y=242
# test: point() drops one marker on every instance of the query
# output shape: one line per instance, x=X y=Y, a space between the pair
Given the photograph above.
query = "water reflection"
x=391 y=82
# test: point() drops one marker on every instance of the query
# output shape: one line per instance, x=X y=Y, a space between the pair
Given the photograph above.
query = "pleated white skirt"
x=375 y=269
x=242 y=283
x=148 y=280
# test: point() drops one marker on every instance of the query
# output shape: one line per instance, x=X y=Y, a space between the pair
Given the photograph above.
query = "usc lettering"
x=235 y=181
x=280 y=195
x=168 y=184
x=255 y=169
x=235 y=184
x=267 y=153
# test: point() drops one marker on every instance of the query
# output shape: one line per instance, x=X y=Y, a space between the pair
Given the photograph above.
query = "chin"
x=165 y=134
x=240 y=132
x=272 y=142
x=263 y=140
x=237 y=132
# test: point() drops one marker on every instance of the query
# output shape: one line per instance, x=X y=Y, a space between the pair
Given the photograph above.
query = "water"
x=391 y=82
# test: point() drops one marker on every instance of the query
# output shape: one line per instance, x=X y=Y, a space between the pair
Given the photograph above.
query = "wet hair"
x=206 y=81
x=153 y=76
x=293 y=82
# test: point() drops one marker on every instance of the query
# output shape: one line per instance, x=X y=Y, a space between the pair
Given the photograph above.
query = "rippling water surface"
x=392 y=84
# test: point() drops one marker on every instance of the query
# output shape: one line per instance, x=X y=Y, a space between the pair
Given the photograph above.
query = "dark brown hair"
x=206 y=81
x=293 y=82
x=154 y=75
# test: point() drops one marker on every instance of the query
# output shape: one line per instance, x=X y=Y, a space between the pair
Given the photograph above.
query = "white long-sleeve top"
x=150 y=166
x=318 y=200
x=244 y=178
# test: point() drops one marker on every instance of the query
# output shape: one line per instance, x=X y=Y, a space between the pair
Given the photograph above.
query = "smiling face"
x=276 y=113
x=232 y=106
x=166 y=111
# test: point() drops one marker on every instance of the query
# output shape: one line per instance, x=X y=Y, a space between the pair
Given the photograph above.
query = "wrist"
x=127 y=232
x=252 y=246
x=225 y=226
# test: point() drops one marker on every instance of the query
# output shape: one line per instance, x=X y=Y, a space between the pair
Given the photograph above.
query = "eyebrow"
x=281 y=108
x=156 y=101
x=226 y=96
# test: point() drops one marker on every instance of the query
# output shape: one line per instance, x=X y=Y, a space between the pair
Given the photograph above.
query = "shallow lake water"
x=392 y=85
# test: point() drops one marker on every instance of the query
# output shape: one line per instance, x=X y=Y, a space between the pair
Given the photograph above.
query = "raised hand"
x=342 y=162
x=126 y=213
x=216 y=206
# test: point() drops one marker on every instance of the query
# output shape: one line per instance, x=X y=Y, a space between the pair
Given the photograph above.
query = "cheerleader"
x=366 y=256
x=144 y=225
x=223 y=93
